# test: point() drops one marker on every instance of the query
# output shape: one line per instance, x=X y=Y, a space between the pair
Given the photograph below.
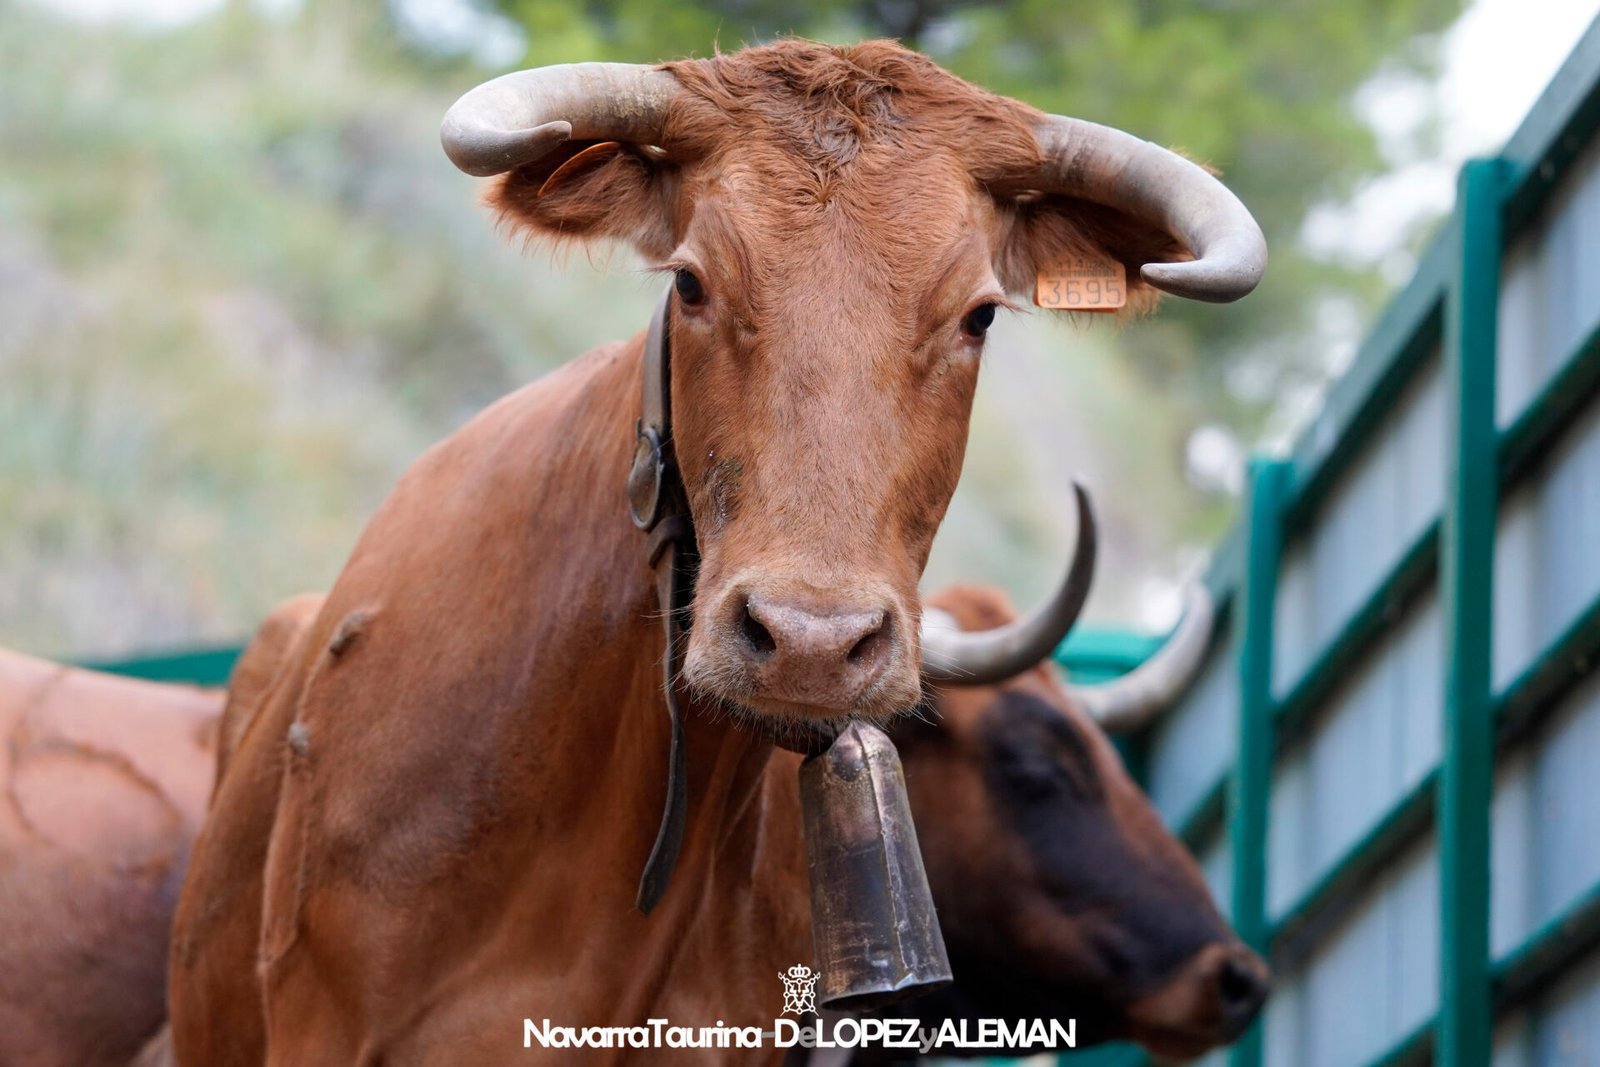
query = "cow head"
x=840 y=227
x=1059 y=891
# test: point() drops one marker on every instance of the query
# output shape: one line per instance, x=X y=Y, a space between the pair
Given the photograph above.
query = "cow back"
x=105 y=781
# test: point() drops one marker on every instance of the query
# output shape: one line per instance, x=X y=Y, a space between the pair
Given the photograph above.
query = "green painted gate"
x=1391 y=766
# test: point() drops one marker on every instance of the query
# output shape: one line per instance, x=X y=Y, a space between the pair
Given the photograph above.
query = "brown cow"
x=105 y=782
x=1060 y=892
x=433 y=826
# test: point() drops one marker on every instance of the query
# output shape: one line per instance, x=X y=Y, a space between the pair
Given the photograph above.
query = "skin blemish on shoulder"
x=349 y=628
x=299 y=738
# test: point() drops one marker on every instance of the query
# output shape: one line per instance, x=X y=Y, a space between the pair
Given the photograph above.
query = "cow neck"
x=659 y=506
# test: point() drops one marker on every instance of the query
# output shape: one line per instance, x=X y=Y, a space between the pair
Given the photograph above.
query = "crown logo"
x=799 y=990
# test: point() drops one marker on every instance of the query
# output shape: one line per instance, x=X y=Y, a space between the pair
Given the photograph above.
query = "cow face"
x=827 y=375
x=1060 y=892
x=840 y=227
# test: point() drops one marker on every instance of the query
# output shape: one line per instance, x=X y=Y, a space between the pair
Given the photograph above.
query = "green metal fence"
x=1357 y=562
x=1090 y=655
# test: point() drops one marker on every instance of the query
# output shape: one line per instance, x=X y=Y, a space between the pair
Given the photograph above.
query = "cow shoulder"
x=261 y=666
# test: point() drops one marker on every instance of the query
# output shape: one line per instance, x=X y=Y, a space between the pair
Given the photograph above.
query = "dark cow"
x=434 y=824
x=1060 y=892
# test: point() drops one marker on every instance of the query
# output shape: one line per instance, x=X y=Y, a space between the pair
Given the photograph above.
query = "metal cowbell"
x=873 y=924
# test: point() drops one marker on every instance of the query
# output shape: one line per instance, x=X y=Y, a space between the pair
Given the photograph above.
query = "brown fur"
x=258 y=668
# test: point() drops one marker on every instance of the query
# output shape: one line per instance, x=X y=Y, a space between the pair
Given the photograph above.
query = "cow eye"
x=1040 y=756
x=978 y=320
x=1033 y=775
x=690 y=291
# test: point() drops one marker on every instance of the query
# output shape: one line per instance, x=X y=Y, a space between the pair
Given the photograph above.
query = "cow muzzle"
x=797 y=654
x=1211 y=1002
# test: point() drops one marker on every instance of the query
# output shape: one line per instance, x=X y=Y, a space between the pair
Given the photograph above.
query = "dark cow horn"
x=1116 y=169
x=989 y=656
x=519 y=117
x=1140 y=695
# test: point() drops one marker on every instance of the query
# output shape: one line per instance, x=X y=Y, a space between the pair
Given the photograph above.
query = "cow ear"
x=590 y=189
x=1049 y=232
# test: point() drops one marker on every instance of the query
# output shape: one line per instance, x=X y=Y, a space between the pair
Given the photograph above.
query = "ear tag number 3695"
x=1082 y=285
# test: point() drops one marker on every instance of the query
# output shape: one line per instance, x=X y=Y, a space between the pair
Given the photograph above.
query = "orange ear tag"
x=588 y=157
x=1082 y=284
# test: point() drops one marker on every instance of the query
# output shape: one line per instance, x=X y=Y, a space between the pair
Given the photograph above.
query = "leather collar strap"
x=659 y=507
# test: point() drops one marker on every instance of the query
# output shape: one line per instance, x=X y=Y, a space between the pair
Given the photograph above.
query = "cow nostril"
x=1239 y=986
x=870 y=648
x=757 y=636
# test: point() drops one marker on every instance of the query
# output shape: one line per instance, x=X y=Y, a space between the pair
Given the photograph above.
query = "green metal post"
x=1251 y=787
x=1465 y=1022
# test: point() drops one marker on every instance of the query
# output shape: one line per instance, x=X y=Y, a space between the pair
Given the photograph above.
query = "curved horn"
x=517 y=118
x=988 y=656
x=1116 y=169
x=1140 y=695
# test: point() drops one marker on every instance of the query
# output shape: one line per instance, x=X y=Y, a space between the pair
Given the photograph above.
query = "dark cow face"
x=1060 y=892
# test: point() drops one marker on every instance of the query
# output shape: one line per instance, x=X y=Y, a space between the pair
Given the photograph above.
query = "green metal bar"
x=1554 y=947
x=1097 y=655
x=1566 y=661
x=1116 y=1055
x=1412 y=1049
x=1200 y=825
x=1556 y=406
x=1382 y=610
x=1251 y=785
x=1520 y=974
x=1467 y=585
x=1400 y=827
x=1559 y=126
x=210 y=666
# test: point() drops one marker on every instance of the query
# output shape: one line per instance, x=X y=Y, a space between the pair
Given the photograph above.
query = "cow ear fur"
x=586 y=190
x=1047 y=231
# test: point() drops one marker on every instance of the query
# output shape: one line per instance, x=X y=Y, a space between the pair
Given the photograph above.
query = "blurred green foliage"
x=241 y=289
